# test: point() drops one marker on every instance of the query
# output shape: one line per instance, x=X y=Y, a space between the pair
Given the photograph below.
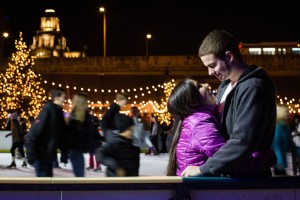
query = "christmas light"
x=20 y=86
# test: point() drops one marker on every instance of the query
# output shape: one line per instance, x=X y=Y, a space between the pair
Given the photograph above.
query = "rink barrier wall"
x=152 y=187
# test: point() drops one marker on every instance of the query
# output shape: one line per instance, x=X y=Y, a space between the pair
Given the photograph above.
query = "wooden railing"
x=149 y=188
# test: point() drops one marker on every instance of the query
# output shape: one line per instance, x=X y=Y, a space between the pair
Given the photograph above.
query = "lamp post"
x=148 y=37
x=3 y=36
x=102 y=10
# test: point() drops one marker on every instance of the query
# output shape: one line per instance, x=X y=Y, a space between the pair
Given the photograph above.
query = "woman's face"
x=206 y=93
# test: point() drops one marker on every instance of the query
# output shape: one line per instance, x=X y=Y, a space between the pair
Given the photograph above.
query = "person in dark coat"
x=18 y=142
x=119 y=154
x=80 y=133
x=107 y=122
x=94 y=154
x=156 y=132
x=47 y=134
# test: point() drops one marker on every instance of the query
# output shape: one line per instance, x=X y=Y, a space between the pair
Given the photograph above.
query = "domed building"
x=49 y=41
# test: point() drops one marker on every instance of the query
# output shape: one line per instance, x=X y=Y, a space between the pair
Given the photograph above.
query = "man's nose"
x=210 y=72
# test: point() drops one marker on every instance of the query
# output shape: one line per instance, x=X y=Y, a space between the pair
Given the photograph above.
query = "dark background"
x=177 y=26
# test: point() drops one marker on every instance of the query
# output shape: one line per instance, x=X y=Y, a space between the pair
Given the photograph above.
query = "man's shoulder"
x=48 y=106
x=114 y=106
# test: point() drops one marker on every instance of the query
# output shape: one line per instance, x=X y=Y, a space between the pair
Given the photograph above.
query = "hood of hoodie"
x=250 y=72
x=257 y=72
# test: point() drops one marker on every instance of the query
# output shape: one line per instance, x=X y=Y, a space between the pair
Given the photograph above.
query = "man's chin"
x=221 y=78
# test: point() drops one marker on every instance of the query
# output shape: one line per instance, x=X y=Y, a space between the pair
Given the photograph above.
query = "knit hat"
x=123 y=122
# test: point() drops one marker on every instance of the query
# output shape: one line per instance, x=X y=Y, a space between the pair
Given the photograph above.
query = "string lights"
x=292 y=104
x=150 y=106
x=159 y=109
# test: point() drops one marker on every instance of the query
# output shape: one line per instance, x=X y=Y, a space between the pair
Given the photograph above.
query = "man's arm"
x=107 y=120
x=252 y=114
x=35 y=133
x=107 y=155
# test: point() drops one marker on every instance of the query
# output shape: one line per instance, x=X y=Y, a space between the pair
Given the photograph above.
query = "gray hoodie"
x=248 y=121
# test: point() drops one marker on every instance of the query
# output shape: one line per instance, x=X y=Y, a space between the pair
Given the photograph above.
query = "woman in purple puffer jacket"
x=198 y=135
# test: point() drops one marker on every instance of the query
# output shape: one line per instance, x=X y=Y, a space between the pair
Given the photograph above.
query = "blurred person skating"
x=156 y=130
x=80 y=133
x=295 y=144
x=107 y=122
x=171 y=132
x=247 y=101
x=98 y=139
x=140 y=137
x=281 y=142
x=17 y=143
x=198 y=133
x=119 y=154
x=163 y=138
x=10 y=116
x=24 y=131
x=47 y=134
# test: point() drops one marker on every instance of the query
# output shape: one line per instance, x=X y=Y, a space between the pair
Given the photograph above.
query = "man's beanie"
x=123 y=122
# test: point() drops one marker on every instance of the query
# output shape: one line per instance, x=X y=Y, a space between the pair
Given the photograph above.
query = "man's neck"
x=238 y=70
x=57 y=103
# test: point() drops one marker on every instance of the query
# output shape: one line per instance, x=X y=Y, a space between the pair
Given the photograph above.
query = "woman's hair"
x=184 y=98
x=80 y=108
x=172 y=165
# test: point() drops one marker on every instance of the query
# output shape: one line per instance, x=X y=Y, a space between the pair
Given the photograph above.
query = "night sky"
x=178 y=27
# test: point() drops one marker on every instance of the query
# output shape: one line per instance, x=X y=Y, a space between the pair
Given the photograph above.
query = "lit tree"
x=161 y=111
x=20 y=86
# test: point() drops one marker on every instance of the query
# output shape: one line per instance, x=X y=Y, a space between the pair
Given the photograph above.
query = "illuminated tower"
x=49 y=41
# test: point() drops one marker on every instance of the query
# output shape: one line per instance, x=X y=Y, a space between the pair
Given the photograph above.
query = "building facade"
x=49 y=41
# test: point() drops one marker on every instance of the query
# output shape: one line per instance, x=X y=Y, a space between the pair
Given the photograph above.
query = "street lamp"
x=148 y=37
x=4 y=35
x=102 y=10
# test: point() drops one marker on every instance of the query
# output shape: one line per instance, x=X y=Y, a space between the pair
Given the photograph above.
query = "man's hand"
x=191 y=171
x=120 y=171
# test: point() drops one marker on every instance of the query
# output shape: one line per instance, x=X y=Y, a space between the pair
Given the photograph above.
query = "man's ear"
x=229 y=56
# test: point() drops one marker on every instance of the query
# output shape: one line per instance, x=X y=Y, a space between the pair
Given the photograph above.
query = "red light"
x=240 y=45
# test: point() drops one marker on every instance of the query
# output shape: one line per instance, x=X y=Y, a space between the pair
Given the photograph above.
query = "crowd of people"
x=240 y=132
x=78 y=132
